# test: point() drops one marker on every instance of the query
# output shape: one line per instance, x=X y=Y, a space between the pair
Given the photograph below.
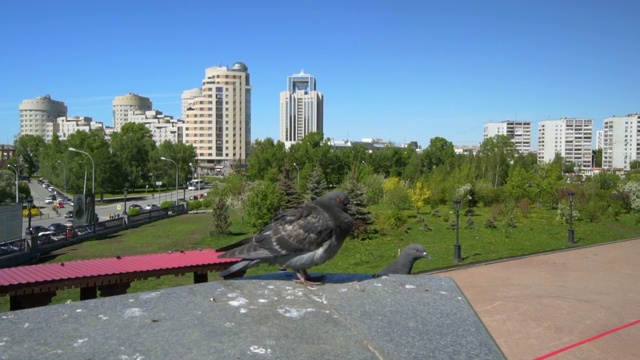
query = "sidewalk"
x=578 y=304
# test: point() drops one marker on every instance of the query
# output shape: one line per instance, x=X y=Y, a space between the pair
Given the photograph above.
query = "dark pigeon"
x=296 y=239
x=404 y=263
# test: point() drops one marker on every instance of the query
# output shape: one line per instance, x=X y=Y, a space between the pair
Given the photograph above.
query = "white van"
x=196 y=184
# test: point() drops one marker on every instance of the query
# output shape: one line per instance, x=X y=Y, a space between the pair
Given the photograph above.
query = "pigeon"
x=296 y=239
x=404 y=263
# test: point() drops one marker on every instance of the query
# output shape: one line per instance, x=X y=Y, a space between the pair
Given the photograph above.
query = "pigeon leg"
x=305 y=279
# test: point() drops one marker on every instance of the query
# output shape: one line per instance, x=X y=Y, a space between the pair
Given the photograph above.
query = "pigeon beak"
x=425 y=255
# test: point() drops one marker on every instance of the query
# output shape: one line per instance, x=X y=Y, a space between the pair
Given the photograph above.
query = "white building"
x=620 y=142
x=163 y=127
x=518 y=131
x=67 y=125
x=122 y=105
x=187 y=97
x=36 y=113
x=301 y=108
x=218 y=123
x=571 y=138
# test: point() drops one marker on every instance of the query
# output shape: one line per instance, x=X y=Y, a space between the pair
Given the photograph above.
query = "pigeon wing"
x=293 y=232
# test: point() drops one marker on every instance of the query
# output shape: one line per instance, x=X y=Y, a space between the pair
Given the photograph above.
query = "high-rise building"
x=301 y=108
x=122 y=105
x=218 y=123
x=187 y=97
x=36 y=113
x=620 y=144
x=569 y=137
x=518 y=131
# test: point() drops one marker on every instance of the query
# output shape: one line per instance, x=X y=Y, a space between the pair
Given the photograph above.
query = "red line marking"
x=587 y=340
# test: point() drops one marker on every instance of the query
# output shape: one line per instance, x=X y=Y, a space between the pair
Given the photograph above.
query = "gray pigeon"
x=297 y=239
x=404 y=263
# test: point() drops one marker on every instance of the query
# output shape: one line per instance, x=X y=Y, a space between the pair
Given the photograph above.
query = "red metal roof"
x=137 y=264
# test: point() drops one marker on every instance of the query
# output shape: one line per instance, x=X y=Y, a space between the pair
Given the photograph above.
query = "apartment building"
x=572 y=138
x=163 y=127
x=67 y=125
x=124 y=104
x=518 y=131
x=620 y=142
x=36 y=113
x=218 y=123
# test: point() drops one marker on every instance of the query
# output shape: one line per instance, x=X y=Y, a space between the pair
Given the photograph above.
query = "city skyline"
x=402 y=71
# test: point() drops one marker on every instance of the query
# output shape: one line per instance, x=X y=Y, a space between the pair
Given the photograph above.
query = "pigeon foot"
x=305 y=279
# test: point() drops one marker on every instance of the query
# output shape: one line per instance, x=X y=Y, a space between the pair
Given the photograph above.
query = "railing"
x=21 y=251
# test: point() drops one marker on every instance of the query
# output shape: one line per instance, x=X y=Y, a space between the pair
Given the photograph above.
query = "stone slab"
x=350 y=316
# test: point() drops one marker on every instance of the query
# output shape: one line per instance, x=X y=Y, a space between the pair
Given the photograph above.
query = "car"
x=50 y=199
x=57 y=227
x=68 y=215
x=149 y=207
x=37 y=229
x=135 y=206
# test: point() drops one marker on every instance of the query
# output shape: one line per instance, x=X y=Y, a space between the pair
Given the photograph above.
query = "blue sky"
x=397 y=70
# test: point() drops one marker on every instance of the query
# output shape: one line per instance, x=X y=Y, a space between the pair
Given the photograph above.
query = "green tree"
x=496 y=155
x=418 y=194
x=132 y=147
x=263 y=203
x=28 y=151
x=316 y=184
x=287 y=185
x=518 y=184
x=395 y=193
x=266 y=160
x=440 y=152
x=220 y=214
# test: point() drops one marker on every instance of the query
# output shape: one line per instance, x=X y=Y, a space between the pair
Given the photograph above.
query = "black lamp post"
x=124 y=211
x=29 y=206
x=457 y=249
x=570 y=239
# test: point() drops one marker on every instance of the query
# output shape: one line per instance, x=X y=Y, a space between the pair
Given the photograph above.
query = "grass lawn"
x=537 y=232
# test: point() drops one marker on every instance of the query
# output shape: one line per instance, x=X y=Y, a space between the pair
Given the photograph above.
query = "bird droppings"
x=149 y=295
x=343 y=289
x=377 y=284
x=26 y=325
x=238 y=302
x=255 y=349
x=410 y=286
x=243 y=310
x=232 y=295
x=323 y=300
x=103 y=317
x=293 y=312
x=212 y=299
x=443 y=292
x=134 y=357
x=262 y=300
x=80 y=342
x=133 y=312
x=229 y=324
x=78 y=310
x=7 y=316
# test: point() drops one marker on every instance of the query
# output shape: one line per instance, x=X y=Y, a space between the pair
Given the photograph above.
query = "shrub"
x=133 y=211
x=166 y=204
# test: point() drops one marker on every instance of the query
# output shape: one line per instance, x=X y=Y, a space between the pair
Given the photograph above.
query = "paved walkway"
x=582 y=303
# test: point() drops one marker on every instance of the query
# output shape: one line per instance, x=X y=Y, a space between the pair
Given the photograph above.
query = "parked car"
x=50 y=199
x=135 y=206
x=56 y=227
x=149 y=207
x=37 y=229
x=68 y=215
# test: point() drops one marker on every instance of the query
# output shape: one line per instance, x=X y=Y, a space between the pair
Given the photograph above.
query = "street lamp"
x=297 y=168
x=570 y=239
x=93 y=171
x=64 y=172
x=93 y=186
x=192 y=178
x=124 y=211
x=165 y=159
x=16 y=171
x=84 y=189
x=29 y=206
x=457 y=249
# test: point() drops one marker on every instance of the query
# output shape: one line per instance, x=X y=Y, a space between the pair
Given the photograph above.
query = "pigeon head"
x=335 y=198
x=416 y=251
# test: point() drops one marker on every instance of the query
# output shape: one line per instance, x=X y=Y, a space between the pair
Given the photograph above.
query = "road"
x=49 y=216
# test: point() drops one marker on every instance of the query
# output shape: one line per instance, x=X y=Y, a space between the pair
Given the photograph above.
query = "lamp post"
x=93 y=186
x=297 y=168
x=457 y=249
x=192 y=178
x=64 y=173
x=165 y=159
x=15 y=169
x=29 y=206
x=124 y=211
x=93 y=169
x=570 y=238
x=84 y=189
